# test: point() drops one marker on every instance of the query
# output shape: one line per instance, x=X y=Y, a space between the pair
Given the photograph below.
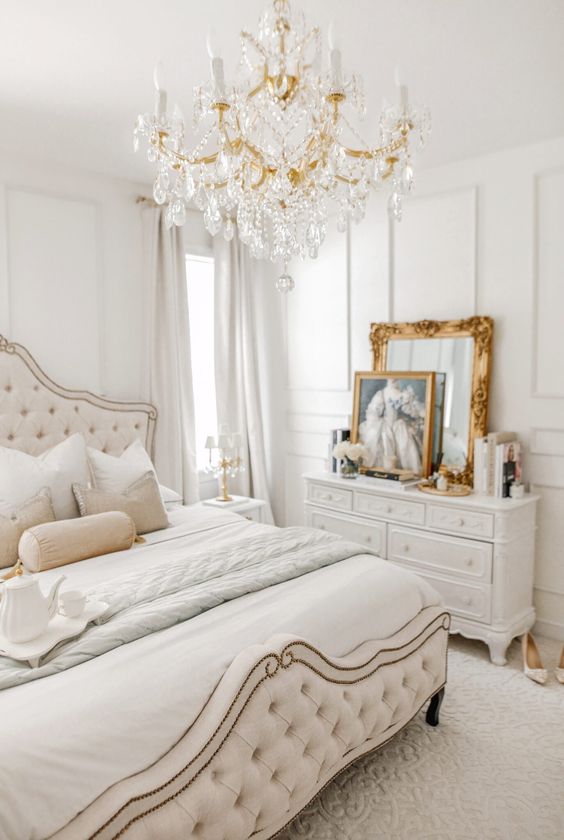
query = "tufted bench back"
x=36 y=413
x=283 y=721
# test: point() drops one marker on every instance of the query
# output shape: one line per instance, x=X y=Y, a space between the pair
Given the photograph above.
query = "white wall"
x=71 y=274
x=483 y=236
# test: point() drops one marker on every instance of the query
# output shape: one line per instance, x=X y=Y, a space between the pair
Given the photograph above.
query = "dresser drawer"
x=334 y=497
x=371 y=534
x=465 y=559
x=411 y=512
x=463 y=599
x=460 y=521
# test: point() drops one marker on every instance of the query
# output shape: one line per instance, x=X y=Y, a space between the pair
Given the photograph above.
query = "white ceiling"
x=75 y=73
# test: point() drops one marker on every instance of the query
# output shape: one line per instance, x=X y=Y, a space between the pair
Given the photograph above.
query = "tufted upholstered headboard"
x=36 y=413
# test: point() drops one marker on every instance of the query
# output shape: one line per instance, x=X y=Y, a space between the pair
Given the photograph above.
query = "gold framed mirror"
x=461 y=349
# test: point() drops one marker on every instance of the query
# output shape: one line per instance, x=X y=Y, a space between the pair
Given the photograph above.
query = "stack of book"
x=392 y=478
x=389 y=475
x=497 y=464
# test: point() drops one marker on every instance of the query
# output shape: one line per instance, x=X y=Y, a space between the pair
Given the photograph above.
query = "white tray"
x=59 y=628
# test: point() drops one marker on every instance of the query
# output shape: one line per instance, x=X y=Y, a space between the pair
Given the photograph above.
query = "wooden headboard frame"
x=36 y=413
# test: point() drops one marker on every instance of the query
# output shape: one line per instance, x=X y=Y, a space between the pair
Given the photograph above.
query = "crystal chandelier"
x=279 y=147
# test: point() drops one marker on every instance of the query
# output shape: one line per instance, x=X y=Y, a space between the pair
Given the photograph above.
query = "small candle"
x=404 y=100
x=403 y=91
x=217 y=71
x=335 y=58
x=160 y=92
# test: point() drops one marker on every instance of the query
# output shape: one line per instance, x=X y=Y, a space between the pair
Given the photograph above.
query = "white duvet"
x=64 y=739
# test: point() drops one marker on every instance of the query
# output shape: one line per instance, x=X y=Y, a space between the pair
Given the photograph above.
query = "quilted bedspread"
x=174 y=591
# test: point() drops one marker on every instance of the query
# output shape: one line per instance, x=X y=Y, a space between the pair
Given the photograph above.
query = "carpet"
x=492 y=770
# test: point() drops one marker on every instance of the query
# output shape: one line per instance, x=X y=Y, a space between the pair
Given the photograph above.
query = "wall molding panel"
x=547 y=442
x=548 y=288
x=67 y=248
x=315 y=423
x=318 y=343
x=436 y=243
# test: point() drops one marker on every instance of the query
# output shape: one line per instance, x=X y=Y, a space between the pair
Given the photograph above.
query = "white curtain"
x=169 y=367
x=236 y=366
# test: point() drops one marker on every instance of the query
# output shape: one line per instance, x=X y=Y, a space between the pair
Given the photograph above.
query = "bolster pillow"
x=67 y=541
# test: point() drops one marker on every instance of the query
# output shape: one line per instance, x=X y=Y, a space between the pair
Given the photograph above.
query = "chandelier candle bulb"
x=218 y=76
x=335 y=59
x=404 y=99
x=160 y=93
x=217 y=70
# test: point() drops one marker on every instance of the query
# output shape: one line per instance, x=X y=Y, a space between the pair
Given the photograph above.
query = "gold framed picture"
x=393 y=419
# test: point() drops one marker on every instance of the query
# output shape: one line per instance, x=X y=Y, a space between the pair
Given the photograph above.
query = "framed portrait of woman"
x=393 y=415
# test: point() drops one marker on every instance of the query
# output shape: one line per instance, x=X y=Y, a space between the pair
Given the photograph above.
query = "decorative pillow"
x=22 y=475
x=116 y=474
x=59 y=543
x=32 y=512
x=141 y=500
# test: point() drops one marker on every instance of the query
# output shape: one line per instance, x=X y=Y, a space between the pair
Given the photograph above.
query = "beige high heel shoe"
x=559 y=672
x=532 y=663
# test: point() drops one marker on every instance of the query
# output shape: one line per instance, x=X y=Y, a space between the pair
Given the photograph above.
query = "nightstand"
x=252 y=509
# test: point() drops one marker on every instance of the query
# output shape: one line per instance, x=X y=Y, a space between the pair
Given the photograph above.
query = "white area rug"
x=492 y=770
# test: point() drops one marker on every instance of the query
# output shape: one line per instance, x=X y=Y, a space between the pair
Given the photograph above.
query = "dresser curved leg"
x=498 y=647
x=432 y=716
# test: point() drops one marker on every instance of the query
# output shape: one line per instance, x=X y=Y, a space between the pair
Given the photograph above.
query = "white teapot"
x=24 y=611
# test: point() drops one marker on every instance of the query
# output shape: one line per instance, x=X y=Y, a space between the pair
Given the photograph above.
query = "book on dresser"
x=497 y=463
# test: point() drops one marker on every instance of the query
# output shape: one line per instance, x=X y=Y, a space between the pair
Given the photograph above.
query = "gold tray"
x=463 y=490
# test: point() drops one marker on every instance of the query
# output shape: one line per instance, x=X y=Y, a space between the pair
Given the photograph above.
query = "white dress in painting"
x=392 y=427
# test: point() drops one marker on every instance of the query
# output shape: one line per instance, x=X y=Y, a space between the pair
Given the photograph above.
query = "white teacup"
x=72 y=603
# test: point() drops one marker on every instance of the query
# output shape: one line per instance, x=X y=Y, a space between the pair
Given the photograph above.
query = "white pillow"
x=23 y=476
x=115 y=475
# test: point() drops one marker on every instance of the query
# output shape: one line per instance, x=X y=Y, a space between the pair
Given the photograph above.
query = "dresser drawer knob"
x=368 y=538
x=406 y=547
x=461 y=522
x=469 y=561
x=389 y=509
x=322 y=527
x=467 y=600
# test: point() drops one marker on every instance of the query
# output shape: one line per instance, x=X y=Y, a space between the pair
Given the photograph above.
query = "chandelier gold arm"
x=298 y=174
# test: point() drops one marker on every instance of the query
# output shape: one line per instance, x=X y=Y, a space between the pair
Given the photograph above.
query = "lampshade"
x=210 y=442
x=224 y=442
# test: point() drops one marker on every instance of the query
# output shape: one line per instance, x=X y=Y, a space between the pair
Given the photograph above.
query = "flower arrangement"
x=351 y=454
x=352 y=451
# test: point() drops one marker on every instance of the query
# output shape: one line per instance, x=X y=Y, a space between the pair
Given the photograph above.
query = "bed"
x=226 y=725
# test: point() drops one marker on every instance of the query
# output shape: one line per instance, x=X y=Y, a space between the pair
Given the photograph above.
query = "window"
x=200 y=282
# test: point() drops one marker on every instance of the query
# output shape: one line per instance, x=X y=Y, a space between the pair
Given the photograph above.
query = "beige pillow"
x=67 y=541
x=32 y=512
x=142 y=501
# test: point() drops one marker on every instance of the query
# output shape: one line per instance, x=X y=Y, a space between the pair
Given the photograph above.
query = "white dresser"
x=476 y=551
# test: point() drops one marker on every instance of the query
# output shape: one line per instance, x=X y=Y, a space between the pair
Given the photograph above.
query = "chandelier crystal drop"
x=278 y=150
